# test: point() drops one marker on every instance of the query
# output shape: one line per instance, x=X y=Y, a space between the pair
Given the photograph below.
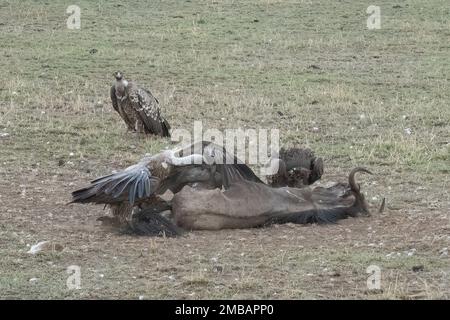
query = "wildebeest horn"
x=351 y=178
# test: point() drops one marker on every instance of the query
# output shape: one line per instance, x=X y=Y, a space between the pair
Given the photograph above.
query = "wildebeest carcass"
x=246 y=204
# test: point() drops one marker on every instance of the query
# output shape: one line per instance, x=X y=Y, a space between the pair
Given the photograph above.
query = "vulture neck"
x=183 y=161
x=121 y=85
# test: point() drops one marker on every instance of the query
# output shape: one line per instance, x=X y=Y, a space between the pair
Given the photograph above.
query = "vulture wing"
x=115 y=104
x=217 y=159
x=112 y=93
x=133 y=184
x=181 y=176
x=148 y=109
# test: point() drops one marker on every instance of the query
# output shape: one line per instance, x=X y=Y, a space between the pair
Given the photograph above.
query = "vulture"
x=138 y=107
x=297 y=167
x=200 y=165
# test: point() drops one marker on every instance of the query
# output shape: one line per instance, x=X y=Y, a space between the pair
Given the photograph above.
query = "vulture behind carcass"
x=297 y=167
x=140 y=186
x=138 y=107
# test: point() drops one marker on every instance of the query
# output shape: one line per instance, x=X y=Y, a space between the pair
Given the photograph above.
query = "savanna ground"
x=376 y=98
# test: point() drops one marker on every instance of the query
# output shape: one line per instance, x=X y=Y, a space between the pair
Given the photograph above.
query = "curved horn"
x=351 y=178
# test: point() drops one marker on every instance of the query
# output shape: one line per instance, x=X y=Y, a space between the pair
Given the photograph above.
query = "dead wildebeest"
x=247 y=204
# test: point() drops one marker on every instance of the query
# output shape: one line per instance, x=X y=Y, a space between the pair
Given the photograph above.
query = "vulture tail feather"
x=130 y=185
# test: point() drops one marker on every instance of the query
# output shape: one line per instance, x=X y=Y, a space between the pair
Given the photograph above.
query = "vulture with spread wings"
x=201 y=164
x=138 y=107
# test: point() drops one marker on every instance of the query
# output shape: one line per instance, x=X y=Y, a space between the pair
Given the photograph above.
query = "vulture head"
x=118 y=75
x=120 y=86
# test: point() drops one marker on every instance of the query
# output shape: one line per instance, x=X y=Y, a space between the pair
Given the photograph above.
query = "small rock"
x=408 y=131
x=314 y=66
x=418 y=268
x=45 y=246
x=218 y=269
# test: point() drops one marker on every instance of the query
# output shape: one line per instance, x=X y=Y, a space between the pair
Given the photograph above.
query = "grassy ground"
x=378 y=98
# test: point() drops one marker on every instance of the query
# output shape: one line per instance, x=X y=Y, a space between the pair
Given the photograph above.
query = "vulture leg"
x=140 y=127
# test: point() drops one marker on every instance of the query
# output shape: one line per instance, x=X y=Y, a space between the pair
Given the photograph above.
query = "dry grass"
x=232 y=65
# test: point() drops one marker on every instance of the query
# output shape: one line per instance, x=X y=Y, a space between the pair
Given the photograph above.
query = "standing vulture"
x=138 y=107
x=296 y=168
x=139 y=186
